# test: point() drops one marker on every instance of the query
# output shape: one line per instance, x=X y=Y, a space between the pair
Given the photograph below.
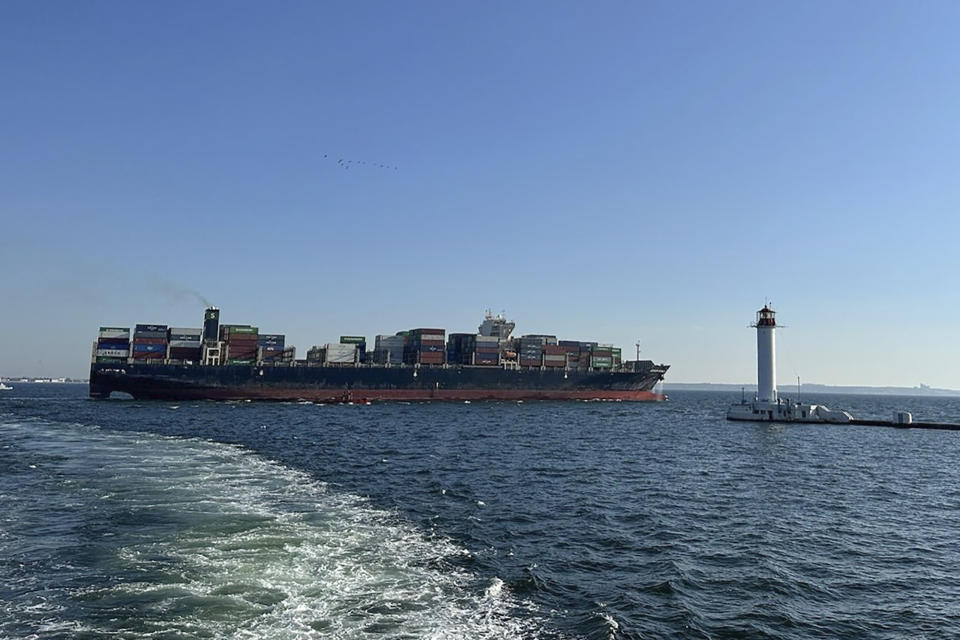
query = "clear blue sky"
x=615 y=171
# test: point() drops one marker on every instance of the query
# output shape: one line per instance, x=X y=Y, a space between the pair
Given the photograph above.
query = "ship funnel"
x=211 y=324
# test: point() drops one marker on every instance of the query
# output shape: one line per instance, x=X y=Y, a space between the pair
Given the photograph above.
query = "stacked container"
x=572 y=350
x=315 y=355
x=617 y=360
x=601 y=356
x=185 y=344
x=113 y=344
x=389 y=349
x=461 y=347
x=487 y=351
x=150 y=342
x=554 y=356
x=340 y=353
x=241 y=341
x=426 y=346
x=271 y=346
x=531 y=350
x=361 y=342
x=545 y=339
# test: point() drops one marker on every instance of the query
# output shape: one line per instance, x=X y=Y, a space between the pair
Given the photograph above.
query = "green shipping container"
x=243 y=330
x=239 y=361
x=352 y=339
x=127 y=329
x=110 y=360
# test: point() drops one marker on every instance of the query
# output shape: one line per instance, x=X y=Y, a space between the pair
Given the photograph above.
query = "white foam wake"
x=237 y=546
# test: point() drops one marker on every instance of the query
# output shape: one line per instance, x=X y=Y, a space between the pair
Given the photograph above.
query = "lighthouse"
x=766 y=326
x=767 y=407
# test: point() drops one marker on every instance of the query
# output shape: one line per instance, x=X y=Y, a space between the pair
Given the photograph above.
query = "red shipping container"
x=149 y=341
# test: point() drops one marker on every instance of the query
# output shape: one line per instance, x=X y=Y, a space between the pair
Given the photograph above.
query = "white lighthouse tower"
x=767 y=406
x=766 y=325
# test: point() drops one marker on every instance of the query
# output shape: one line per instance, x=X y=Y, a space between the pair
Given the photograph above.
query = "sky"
x=617 y=171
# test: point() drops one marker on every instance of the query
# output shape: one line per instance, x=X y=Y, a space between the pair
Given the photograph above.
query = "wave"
x=154 y=536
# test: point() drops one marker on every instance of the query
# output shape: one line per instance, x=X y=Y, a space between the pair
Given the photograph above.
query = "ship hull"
x=370 y=384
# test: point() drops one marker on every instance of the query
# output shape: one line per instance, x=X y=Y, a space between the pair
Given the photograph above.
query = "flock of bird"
x=344 y=163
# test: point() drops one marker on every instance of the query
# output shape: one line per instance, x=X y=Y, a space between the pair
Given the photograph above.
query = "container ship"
x=238 y=362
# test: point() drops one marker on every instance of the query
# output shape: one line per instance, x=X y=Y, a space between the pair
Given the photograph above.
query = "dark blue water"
x=127 y=519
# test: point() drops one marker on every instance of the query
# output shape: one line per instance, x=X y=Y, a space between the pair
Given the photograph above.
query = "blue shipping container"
x=150 y=348
x=109 y=343
x=151 y=327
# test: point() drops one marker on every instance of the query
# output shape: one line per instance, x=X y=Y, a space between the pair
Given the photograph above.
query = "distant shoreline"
x=791 y=390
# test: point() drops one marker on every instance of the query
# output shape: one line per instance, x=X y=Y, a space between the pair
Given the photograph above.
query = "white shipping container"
x=491 y=339
x=120 y=335
x=114 y=353
x=341 y=353
x=190 y=344
x=186 y=332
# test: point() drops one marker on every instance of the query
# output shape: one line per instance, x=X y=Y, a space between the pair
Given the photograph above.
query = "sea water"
x=127 y=519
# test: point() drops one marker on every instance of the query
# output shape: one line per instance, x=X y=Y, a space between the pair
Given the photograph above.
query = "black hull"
x=370 y=383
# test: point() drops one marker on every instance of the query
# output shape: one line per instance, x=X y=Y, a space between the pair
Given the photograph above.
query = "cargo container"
x=139 y=340
x=108 y=359
x=431 y=357
x=340 y=353
x=555 y=360
x=185 y=331
x=118 y=333
x=146 y=355
x=190 y=344
x=234 y=353
x=151 y=328
x=113 y=353
x=112 y=343
x=150 y=334
x=389 y=353
x=353 y=339
x=540 y=338
x=149 y=348
x=423 y=331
